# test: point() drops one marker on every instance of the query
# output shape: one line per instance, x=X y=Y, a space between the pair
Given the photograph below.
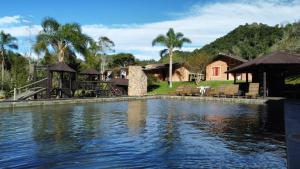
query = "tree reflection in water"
x=144 y=133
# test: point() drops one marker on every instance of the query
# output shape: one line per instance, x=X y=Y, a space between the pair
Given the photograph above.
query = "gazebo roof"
x=61 y=67
x=275 y=58
x=90 y=72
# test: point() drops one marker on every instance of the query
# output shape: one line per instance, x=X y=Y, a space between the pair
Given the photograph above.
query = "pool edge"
x=113 y=99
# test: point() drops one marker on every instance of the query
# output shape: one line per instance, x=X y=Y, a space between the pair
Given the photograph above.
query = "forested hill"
x=247 y=41
x=250 y=41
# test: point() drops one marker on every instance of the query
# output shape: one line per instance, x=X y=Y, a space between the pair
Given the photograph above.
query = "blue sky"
x=132 y=24
x=96 y=11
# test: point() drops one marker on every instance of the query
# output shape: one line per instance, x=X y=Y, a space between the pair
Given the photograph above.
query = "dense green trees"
x=249 y=41
x=171 y=41
x=97 y=57
x=246 y=41
x=7 y=42
x=122 y=60
x=290 y=40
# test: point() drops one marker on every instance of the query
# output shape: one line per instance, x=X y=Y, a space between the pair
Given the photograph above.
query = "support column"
x=49 y=84
x=264 y=84
x=70 y=82
x=234 y=76
x=247 y=78
x=61 y=84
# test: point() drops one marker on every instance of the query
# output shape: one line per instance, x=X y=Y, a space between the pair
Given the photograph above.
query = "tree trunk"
x=61 y=56
x=170 y=67
x=61 y=52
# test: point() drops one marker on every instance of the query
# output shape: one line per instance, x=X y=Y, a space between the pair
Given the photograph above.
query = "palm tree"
x=6 y=42
x=61 y=38
x=171 y=40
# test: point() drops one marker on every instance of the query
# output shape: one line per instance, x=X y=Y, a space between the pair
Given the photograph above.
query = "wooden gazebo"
x=91 y=74
x=271 y=71
x=65 y=86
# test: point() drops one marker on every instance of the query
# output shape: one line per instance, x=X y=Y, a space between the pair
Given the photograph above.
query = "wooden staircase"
x=29 y=90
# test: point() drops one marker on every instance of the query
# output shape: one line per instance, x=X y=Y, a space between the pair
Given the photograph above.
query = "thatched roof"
x=90 y=72
x=275 y=58
x=61 y=67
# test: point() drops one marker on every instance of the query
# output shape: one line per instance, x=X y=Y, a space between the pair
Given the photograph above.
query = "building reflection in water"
x=137 y=114
x=292 y=127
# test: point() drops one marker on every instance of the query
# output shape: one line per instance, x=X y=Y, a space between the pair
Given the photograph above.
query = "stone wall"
x=137 y=81
x=118 y=99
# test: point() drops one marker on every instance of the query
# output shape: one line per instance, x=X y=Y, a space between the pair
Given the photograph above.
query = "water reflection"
x=144 y=133
x=137 y=114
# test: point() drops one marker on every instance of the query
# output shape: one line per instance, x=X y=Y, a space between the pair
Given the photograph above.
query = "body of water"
x=143 y=134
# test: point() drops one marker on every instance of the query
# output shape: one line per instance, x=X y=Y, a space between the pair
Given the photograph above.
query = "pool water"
x=143 y=134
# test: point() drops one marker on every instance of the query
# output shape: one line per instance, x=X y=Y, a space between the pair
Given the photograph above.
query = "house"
x=218 y=67
x=161 y=71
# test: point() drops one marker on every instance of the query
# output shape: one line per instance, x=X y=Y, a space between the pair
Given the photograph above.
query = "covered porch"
x=271 y=72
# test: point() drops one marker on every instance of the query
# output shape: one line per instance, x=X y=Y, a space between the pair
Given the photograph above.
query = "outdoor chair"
x=253 y=91
x=216 y=92
x=188 y=90
x=180 y=90
x=195 y=91
x=231 y=90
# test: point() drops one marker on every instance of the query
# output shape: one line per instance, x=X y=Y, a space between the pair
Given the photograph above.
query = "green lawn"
x=293 y=80
x=163 y=88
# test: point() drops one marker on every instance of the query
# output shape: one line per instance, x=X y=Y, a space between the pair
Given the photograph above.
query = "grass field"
x=293 y=80
x=163 y=88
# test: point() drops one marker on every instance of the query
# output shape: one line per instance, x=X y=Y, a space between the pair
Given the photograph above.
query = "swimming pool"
x=157 y=133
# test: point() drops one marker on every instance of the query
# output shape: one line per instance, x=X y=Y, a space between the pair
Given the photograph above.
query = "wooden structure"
x=91 y=74
x=271 y=71
x=218 y=67
x=65 y=87
x=68 y=83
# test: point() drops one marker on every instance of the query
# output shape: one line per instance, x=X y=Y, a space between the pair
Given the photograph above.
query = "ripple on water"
x=142 y=134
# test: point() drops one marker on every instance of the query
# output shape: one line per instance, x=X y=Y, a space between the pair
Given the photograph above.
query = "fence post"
x=15 y=93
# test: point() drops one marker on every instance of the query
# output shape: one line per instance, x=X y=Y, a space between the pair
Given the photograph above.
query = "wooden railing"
x=32 y=86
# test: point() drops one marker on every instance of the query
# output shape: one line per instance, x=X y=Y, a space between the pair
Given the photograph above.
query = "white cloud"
x=22 y=31
x=202 y=24
x=10 y=20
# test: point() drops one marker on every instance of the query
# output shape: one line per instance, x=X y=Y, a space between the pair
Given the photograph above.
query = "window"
x=216 y=71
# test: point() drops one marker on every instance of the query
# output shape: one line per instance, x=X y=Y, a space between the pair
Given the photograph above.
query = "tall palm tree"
x=61 y=38
x=171 y=40
x=6 y=42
